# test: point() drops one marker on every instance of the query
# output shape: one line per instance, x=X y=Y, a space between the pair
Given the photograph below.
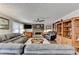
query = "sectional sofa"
x=49 y=49
x=15 y=44
x=12 y=37
x=12 y=43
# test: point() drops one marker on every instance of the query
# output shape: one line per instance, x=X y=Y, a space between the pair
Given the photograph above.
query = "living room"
x=39 y=28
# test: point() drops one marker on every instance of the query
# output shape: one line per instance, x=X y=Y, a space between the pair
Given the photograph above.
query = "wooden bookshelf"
x=76 y=28
x=68 y=31
x=59 y=28
x=54 y=26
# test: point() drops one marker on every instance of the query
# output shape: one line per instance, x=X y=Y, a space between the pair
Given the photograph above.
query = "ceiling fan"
x=38 y=20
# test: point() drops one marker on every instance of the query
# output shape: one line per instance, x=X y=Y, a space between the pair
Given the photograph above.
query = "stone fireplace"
x=38 y=29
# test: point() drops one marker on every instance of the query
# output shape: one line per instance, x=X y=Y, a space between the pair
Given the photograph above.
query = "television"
x=38 y=33
x=27 y=26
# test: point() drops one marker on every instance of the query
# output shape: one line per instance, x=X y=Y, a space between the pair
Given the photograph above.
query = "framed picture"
x=4 y=23
x=48 y=27
x=38 y=26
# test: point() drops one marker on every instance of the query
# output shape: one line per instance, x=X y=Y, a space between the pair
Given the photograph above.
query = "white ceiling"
x=26 y=12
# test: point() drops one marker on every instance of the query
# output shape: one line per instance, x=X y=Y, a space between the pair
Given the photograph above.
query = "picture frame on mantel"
x=38 y=26
x=4 y=23
x=48 y=27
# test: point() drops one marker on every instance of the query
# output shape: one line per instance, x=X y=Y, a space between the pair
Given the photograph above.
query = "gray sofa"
x=11 y=48
x=12 y=43
x=13 y=37
x=49 y=49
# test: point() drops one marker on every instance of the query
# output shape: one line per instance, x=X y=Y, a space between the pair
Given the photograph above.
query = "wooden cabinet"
x=68 y=31
x=59 y=29
x=28 y=34
x=59 y=39
x=54 y=27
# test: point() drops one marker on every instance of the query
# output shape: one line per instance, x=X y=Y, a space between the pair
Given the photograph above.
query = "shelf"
x=67 y=26
x=67 y=29
x=59 y=29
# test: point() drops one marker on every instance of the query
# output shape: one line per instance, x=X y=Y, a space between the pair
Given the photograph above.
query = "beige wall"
x=4 y=31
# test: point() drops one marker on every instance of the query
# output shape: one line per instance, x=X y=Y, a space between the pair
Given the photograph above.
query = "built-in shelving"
x=68 y=30
x=59 y=27
x=76 y=28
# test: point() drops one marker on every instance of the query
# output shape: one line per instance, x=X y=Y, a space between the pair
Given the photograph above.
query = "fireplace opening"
x=38 y=33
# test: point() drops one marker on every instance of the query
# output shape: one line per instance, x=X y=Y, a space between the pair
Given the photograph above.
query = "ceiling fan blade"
x=38 y=20
x=41 y=20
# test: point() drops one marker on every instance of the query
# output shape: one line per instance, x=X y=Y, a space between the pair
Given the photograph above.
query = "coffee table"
x=37 y=41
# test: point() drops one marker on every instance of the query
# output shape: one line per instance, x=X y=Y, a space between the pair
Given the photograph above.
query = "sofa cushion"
x=11 y=48
x=20 y=40
x=34 y=47
x=2 y=37
x=10 y=40
x=49 y=49
x=49 y=52
x=11 y=35
x=17 y=34
x=13 y=39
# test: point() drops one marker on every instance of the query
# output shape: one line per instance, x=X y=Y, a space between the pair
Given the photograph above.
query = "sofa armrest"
x=11 y=48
